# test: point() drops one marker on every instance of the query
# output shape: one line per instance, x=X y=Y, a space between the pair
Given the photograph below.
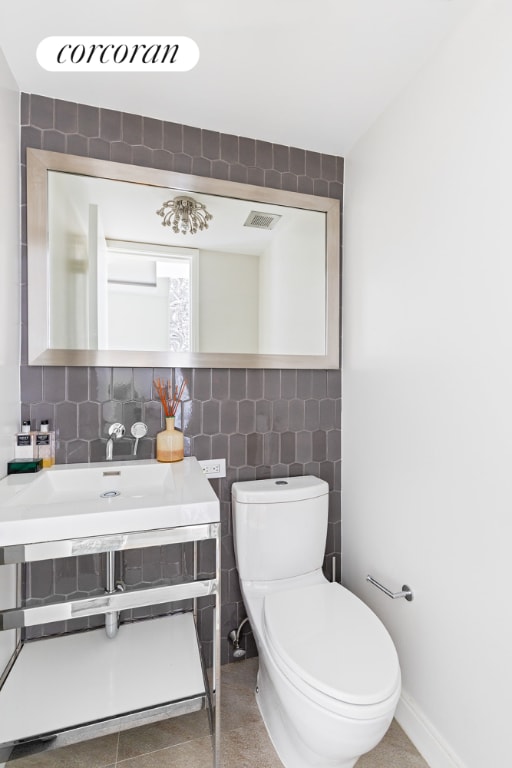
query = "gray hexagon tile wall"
x=266 y=423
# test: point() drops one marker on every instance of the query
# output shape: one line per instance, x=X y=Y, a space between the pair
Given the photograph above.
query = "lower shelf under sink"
x=59 y=683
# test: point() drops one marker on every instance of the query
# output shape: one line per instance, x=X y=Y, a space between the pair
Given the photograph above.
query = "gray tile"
x=152 y=133
x=41 y=111
x=77 y=384
x=131 y=128
x=264 y=155
x=77 y=452
x=211 y=417
x=66 y=116
x=254 y=383
x=290 y=182
x=263 y=416
x=220 y=446
x=31 y=383
x=120 y=152
x=297 y=161
x=182 y=163
x=273 y=179
x=271 y=445
x=95 y=753
x=271 y=384
x=201 y=166
x=304 y=444
x=247 y=416
x=100 y=384
x=335 y=190
x=329 y=169
x=210 y=144
x=256 y=176
x=281 y=158
x=228 y=417
x=247 y=151
x=173 y=137
x=237 y=450
x=24 y=108
x=327 y=414
x=122 y=383
x=229 y=148
x=99 y=148
x=77 y=145
x=166 y=733
x=237 y=383
x=191 y=141
x=110 y=125
x=280 y=415
x=305 y=185
x=321 y=187
x=220 y=383
x=319 y=445
x=54 y=141
x=220 y=169
x=88 y=420
x=395 y=750
x=313 y=165
x=88 y=120
x=66 y=420
x=288 y=384
x=288 y=447
x=238 y=173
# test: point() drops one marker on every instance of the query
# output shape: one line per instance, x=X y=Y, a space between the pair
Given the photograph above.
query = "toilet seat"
x=329 y=640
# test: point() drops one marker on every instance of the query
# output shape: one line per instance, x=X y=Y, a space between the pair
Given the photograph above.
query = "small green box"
x=21 y=466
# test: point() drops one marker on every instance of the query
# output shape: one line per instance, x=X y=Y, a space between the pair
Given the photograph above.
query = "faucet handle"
x=116 y=430
x=138 y=430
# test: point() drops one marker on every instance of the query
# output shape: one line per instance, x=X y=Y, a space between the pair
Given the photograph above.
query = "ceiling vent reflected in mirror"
x=261 y=220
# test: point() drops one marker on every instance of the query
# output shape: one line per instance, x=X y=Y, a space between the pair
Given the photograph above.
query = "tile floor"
x=184 y=742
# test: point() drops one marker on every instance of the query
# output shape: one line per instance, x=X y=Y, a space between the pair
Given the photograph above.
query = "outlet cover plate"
x=214 y=467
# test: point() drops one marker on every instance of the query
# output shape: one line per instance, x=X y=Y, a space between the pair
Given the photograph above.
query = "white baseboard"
x=429 y=743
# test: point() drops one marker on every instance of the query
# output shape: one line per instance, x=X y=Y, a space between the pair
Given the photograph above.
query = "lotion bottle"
x=45 y=445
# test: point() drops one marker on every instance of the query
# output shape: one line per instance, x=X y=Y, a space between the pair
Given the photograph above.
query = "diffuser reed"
x=169 y=397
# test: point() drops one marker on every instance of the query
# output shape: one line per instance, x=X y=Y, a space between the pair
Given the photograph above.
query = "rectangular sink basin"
x=80 y=500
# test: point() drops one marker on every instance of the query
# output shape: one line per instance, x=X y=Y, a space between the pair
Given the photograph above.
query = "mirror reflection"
x=135 y=266
x=252 y=282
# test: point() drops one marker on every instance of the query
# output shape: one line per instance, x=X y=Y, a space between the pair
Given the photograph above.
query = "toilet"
x=329 y=678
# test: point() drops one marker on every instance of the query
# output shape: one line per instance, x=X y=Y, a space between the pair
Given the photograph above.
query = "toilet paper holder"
x=405 y=592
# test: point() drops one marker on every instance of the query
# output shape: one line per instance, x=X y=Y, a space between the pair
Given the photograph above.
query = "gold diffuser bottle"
x=169 y=442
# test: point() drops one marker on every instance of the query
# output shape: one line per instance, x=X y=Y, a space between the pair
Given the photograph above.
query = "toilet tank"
x=280 y=526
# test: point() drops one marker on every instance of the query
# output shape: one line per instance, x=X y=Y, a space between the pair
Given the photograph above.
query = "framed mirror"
x=134 y=266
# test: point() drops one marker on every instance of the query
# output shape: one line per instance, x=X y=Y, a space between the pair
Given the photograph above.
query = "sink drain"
x=109 y=494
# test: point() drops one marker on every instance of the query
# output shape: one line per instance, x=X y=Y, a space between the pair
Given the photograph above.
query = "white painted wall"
x=228 y=302
x=9 y=309
x=427 y=426
x=9 y=264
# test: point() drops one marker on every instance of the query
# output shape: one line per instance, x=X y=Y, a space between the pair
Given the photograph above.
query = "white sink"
x=78 y=500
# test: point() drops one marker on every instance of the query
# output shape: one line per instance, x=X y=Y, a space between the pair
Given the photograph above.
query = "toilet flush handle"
x=405 y=592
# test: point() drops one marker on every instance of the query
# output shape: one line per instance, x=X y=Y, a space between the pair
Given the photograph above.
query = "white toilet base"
x=339 y=741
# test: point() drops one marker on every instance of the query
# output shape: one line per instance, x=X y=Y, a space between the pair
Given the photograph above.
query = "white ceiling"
x=310 y=74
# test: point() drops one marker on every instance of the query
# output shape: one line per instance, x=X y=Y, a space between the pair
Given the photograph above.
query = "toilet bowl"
x=328 y=678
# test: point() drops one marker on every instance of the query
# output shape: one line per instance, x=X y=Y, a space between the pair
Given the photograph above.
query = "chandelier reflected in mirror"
x=184 y=215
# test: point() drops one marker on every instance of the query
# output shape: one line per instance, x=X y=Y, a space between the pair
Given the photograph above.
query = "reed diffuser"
x=169 y=442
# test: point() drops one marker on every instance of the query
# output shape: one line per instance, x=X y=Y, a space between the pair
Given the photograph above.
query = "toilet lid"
x=331 y=640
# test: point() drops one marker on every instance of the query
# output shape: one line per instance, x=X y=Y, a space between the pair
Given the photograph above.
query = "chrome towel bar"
x=406 y=591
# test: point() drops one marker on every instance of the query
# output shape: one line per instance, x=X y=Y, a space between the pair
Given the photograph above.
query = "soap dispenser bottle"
x=24 y=448
x=45 y=444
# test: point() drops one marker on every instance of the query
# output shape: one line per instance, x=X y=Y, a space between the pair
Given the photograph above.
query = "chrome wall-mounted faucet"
x=138 y=430
x=115 y=431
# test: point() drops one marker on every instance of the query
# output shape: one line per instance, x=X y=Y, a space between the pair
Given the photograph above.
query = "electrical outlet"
x=214 y=467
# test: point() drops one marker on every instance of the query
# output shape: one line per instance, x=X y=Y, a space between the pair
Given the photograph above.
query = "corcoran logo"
x=117 y=54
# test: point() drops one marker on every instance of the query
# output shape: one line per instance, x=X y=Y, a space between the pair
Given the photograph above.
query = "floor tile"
x=184 y=742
